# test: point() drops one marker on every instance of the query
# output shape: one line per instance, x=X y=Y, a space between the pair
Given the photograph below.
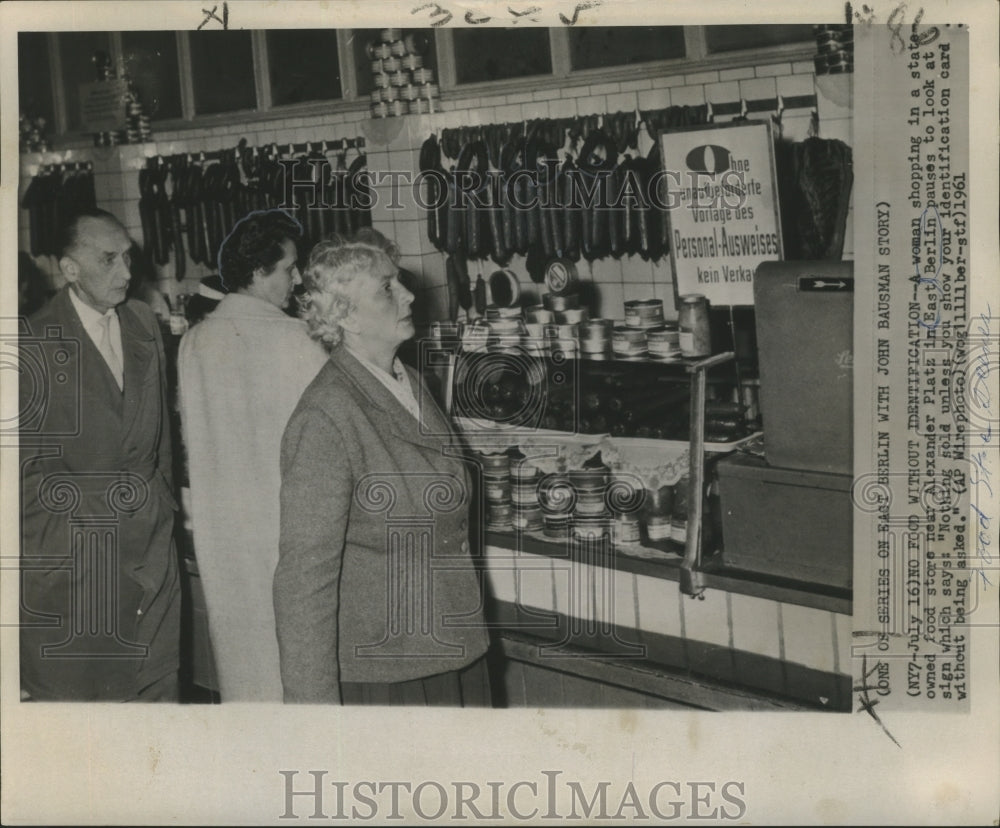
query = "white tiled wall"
x=616 y=281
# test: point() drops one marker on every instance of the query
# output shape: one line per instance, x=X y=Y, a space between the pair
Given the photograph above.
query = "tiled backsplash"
x=614 y=280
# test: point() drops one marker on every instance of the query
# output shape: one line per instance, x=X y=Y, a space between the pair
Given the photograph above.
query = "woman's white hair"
x=333 y=266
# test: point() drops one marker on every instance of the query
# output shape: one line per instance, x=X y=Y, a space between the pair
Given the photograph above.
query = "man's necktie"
x=109 y=352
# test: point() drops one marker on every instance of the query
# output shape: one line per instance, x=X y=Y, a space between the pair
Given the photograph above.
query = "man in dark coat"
x=100 y=591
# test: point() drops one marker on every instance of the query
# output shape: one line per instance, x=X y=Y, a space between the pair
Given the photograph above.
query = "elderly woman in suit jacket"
x=377 y=599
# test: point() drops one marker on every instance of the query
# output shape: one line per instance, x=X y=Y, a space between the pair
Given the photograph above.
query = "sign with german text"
x=722 y=204
x=102 y=105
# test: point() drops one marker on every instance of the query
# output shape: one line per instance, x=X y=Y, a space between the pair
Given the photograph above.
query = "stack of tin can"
x=630 y=341
x=563 y=301
x=527 y=511
x=556 y=498
x=834 y=49
x=595 y=339
x=496 y=491
x=591 y=518
x=403 y=85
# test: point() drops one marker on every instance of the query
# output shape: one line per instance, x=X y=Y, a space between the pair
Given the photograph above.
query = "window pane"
x=421 y=41
x=34 y=80
x=592 y=47
x=495 y=54
x=303 y=65
x=731 y=38
x=151 y=65
x=222 y=69
x=76 y=52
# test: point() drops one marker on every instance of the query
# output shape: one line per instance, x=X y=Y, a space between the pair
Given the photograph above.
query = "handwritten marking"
x=211 y=15
x=472 y=20
x=866 y=702
x=571 y=21
x=438 y=12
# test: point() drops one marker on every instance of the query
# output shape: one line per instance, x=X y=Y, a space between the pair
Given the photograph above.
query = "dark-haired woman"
x=241 y=371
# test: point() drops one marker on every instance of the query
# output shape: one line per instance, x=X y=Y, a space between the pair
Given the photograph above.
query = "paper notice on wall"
x=923 y=560
x=722 y=204
x=102 y=105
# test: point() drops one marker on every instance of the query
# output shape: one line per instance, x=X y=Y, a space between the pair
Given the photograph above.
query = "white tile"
x=592 y=105
x=755 y=625
x=736 y=74
x=407 y=235
x=773 y=69
x=535 y=109
x=654 y=99
x=803 y=67
x=758 y=89
x=519 y=98
x=636 y=85
x=725 y=92
x=582 y=593
x=700 y=78
x=795 y=128
x=659 y=605
x=796 y=85
x=622 y=102
x=605 y=88
x=808 y=636
x=707 y=620
x=563 y=108
x=508 y=113
x=634 y=269
x=610 y=301
x=839 y=128
x=688 y=95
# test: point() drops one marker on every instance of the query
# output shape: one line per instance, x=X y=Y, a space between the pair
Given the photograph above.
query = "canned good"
x=590 y=528
x=391 y=65
x=380 y=110
x=398 y=108
x=412 y=62
x=425 y=77
x=658 y=528
x=564 y=331
x=678 y=530
x=381 y=80
x=644 y=313
x=390 y=35
x=562 y=302
x=535 y=330
x=590 y=504
x=561 y=277
x=397 y=47
x=695 y=334
x=445 y=330
x=572 y=316
x=505 y=288
x=524 y=472
x=495 y=464
x=664 y=342
x=528 y=519
x=596 y=329
x=539 y=314
x=389 y=94
x=555 y=495
x=497 y=491
x=555 y=526
x=429 y=91
x=563 y=348
x=408 y=92
x=377 y=67
x=626 y=530
x=376 y=96
x=506 y=327
x=399 y=78
x=628 y=342
x=381 y=51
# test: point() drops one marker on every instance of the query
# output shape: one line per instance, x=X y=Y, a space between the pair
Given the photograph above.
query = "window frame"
x=697 y=59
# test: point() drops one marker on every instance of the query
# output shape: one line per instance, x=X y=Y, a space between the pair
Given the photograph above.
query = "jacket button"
x=465 y=546
x=465 y=524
